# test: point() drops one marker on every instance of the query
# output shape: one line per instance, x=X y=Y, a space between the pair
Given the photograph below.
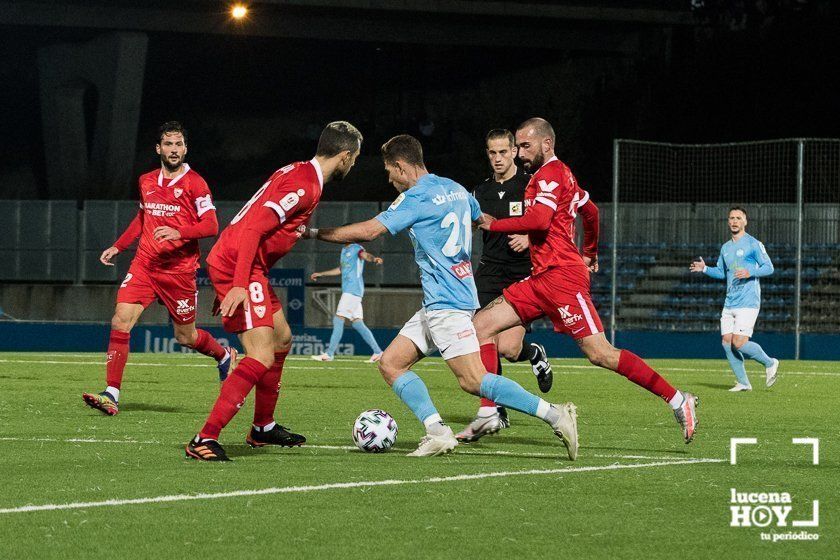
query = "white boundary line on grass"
x=343 y=485
x=341 y=365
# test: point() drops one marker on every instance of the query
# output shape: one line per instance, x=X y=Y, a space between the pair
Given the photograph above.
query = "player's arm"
x=718 y=272
x=131 y=233
x=588 y=212
x=351 y=233
x=331 y=272
x=763 y=265
x=536 y=218
x=370 y=257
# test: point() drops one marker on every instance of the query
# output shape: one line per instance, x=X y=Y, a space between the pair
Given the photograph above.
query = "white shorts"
x=350 y=307
x=738 y=320
x=450 y=331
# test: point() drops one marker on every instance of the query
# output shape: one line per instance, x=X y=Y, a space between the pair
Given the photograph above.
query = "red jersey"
x=267 y=227
x=179 y=203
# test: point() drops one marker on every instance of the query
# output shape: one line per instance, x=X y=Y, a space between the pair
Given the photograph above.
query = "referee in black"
x=505 y=260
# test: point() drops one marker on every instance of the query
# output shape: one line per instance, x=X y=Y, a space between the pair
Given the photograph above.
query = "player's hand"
x=742 y=274
x=377 y=260
x=107 y=255
x=485 y=220
x=591 y=263
x=518 y=242
x=235 y=297
x=314 y=276
x=166 y=233
x=698 y=265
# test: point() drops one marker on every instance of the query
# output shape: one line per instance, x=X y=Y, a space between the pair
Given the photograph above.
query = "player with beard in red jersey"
x=266 y=228
x=176 y=210
x=559 y=283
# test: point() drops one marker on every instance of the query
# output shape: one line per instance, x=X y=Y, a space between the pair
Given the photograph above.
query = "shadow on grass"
x=721 y=386
x=145 y=407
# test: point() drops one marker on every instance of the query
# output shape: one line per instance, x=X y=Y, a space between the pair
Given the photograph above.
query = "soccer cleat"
x=481 y=426
x=278 y=435
x=566 y=427
x=323 y=358
x=541 y=368
x=431 y=445
x=102 y=402
x=740 y=387
x=771 y=373
x=373 y=359
x=503 y=416
x=205 y=450
x=227 y=364
x=686 y=415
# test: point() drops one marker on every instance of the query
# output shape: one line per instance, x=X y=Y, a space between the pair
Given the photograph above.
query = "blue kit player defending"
x=352 y=269
x=438 y=214
x=742 y=261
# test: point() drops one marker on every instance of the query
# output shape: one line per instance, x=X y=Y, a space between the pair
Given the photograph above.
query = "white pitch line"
x=355 y=364
x=343 y=485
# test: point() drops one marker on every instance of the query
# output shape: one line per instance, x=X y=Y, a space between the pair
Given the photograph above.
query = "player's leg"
x=335 y=339
x=513 y=347
x=360 y=327
x=265 y=431
x=450 y=330
x=204 y=343
x=735 y=359
x=745 y=319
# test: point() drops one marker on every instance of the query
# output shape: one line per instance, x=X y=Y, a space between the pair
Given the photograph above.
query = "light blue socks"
x=337 y=333
x=509 y=393
x=753 y=351
x=413 y=392
x=367 y=336
x=736 y=362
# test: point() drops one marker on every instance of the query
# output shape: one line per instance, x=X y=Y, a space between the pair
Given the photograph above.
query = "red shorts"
x=562 y=293
x=177 y=292
x=257 y=310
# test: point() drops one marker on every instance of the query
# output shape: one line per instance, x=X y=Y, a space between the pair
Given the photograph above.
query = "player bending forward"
x=176 y=210
x=742 y=261
x=559 y=283
x=266 y=228
x=438 y=214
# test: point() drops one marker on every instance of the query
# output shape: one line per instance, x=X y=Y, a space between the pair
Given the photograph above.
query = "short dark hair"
x=171 y=127
x=498 y=134
x=337 y=137
x=739 y=209
x=403 y=147
x=540 y=126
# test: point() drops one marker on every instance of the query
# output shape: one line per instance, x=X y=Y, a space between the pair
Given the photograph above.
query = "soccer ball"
x=375 y=431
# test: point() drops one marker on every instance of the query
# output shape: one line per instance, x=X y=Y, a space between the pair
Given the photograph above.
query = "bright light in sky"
x=238 y=11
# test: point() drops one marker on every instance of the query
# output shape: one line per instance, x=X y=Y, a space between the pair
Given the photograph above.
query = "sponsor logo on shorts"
x=462 y=270
x=185 y=307
x=568 y=317
x=465 y=334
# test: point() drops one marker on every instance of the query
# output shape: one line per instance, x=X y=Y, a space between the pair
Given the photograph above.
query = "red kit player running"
x=266 y=228
x=559 y=283
x=176 y=210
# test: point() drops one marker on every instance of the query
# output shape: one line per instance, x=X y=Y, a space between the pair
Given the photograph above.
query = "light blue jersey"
x=352 y=270
x=749 y=253
x=439 y=213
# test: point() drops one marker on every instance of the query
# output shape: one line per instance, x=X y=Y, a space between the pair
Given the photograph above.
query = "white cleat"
x=322 y=358
x=770 y=372
x=566 y=427
x=480 y=427
x=373 y=359
x=432 y=446
x=740 y=387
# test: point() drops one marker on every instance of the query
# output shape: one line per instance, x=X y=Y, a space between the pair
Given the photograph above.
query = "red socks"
x=117 y=357
x=268 y=389
x=207 y=345
x=234 y=390
x=490 y=359
x=636 y=370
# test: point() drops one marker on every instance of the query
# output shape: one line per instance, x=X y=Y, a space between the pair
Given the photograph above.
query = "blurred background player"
x=742 y=261
x=265 y=230
x=438 y=214
x=352 y=268
x=176 y=210
x=504 y=260
x=559 y=284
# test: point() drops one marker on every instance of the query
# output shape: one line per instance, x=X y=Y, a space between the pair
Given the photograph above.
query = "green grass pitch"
x=636 y=491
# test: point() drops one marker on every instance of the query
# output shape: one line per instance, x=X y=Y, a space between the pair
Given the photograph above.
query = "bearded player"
x=265 y=230
x=559 y=283
x=176 y=210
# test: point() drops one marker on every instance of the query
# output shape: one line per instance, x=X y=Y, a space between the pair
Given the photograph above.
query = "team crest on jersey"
x=178 y=192
x=259 y=310
x=739 y=253
x=515 y=208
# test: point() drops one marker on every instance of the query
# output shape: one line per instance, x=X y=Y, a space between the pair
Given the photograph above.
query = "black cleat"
x=278 y=435
x=541 y=368
x=206 y=450
x=503 y=416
